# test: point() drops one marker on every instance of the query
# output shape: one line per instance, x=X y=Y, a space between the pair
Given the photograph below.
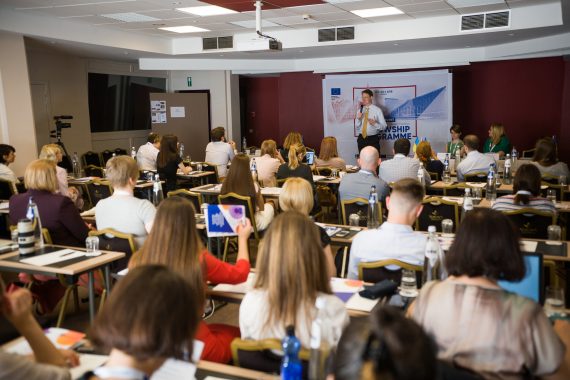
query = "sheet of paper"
x=87 y=362
x=178 y=369
x=356 y=302
x=275 y=191
x=177 y=112
x=61 y=338
x=343 y=285
x=477 y=184
x=53 y=257
x=458 y=200
x=318 y=177
x=244 y=287
x=4 y=205
x=528 y=246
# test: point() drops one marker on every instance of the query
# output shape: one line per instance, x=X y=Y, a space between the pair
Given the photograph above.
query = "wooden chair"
x=358 y=206
x=210 y=167
x=476 y=177
x=458 y=190
x=281 y=181
x=327 y=199
x=559 y=189
x=532 y=223
x=324 y=170
x=434 y=176
x=120 y=152
x=106 y=155
x=435 y=210
x=91 y=158
x=98 y=190
x=195 y=198
x=529 y=153
x=93 y=171
x=260 y=355
x=376 y=271
x=113 y=240
x=549 y=179
x=7 y=189
x=243 y=200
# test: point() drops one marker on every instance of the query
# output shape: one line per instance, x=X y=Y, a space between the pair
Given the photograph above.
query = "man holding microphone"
x=369 y=122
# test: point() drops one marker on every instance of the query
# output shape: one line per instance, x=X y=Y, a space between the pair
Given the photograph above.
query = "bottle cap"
x=432 y=229
x=290 y=330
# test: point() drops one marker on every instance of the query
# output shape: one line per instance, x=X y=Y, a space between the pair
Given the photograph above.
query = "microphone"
x=361 y=107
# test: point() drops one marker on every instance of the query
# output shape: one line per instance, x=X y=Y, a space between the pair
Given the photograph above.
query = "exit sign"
x=189 y=81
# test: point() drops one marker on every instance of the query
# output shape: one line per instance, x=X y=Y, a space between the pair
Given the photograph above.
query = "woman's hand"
x=244 y=229
x=71 y=358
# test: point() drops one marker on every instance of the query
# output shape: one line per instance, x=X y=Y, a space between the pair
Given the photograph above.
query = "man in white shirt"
x=395 y=238
x=401 y=166
x=475 y=160
x=146 y=156
x=219 y=152
x=369 y=122
x=7 y=156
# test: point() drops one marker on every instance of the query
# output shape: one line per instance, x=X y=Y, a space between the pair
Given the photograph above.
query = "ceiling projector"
x=259 y=45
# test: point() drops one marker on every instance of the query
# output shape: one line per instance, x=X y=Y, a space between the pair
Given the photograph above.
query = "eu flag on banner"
x=335 y=91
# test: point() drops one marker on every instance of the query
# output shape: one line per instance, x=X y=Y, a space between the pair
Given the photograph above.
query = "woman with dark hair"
x=477 y=324
x=168 y=162
x=386 y=345
x=240 y=181
x=456 y=144
x=526 y=192
x=546 y=159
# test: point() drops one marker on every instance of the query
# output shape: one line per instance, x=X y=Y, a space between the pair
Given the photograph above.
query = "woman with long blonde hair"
x=296 y=168
x=497 y=141
x=174 y=242
x=328 y=154
x=291 y=275
x=291 y=139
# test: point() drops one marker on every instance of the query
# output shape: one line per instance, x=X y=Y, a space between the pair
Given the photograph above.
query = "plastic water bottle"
x=75 y=166
x=319 y=347
x=373 y=220
x=432 y=257
x=491 y=190
x=291 y=368
x=253 y=168
x=133 y=153
x=514 y=157
x=421 y=174
x=508 y=175
x=157 y=195
x=33 y=214
x=243 y=144
x=467 y=203
x=457 y=158
x=181 y=151
x=446 y=171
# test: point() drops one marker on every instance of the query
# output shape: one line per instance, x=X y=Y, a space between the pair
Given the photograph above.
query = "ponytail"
x=294 y=151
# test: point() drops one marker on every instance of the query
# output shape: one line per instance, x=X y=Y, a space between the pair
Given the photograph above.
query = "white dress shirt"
x=267 y=167
x=401 y=167
x=474 y=162
x=219 y=153
x=389 y=241
x=375 y=114
x=7 y=174
x=146 y=157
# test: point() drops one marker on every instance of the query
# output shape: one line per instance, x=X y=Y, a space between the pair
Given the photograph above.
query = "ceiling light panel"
x=377 y=12
x=184 y=29
x=207 y=10
x=129 y=17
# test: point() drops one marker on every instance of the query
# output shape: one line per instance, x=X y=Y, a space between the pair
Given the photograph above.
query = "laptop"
x=531 y=286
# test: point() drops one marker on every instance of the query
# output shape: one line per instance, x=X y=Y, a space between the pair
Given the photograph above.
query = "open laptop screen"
x=531 y=285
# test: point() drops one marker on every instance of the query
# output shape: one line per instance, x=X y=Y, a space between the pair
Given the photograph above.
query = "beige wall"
x=16 y=114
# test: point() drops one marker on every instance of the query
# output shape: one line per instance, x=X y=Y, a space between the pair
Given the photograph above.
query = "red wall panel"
x=261 y=109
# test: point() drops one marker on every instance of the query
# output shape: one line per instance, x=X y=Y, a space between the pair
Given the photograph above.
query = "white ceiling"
x=108 y=38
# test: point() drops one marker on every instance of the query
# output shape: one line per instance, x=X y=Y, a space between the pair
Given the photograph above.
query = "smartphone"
x=310 y=158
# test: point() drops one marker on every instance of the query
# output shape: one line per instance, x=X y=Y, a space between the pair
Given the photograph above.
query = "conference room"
x=358 y=123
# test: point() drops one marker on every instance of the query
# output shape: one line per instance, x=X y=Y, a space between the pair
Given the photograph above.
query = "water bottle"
x=253 y=168
x=157 y=195
x=491 y=191
x=319 y=347
x=421 y=174
x=373 y=221
x=291 y=368
x=508 y=175
x=457 y=158
x=243 y=144
x=432 y=257
x=133 y=153
x=181 y=151
x=446 y=171
x=75 y=166
x=514 y=157
x=33 y=214
x=467 y=203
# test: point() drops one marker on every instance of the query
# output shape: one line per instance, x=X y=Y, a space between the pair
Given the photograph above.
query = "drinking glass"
x=446 y=177
x=551 y=195
x=554 y=302
x=447 y=226
x=334 y=173
x=408 y=286
x=199 y=166
x=498 y=179
x=477 y=195
x=92 y=246
x=354 y=220
x=562 y=182
x=554 y=233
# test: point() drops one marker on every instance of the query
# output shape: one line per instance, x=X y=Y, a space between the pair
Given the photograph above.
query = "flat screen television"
x=121 y=102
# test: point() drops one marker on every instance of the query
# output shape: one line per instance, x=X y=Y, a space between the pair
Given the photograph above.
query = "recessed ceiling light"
x=511 y=34
x=184 y=29
x=206 y=10
x=473 y=3
x=377 y=12
x=251 y=24
x=129 y=17
x=467 y=46
x=396 y=44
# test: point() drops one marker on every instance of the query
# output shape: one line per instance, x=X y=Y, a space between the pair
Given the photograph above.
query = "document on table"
x=53 y=257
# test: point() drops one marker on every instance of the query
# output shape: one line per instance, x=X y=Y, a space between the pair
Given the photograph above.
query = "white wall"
x=16 y=113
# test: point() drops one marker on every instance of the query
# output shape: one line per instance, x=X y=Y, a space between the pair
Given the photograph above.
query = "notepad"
x=356 y=302
x=318 y=177
x=53 y=257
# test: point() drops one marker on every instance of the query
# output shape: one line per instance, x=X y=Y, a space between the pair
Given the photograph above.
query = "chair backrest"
x=549 y=179
x=281 y=181
x=457 y=190
x=435 y=210
x=434 y=176
x=98 y=190
x=209 y=167
x=358 y=206
x=7 y=189
x=195 y=198
x=260 y=355
x=476 y=177
x=106 y=155
x=326 y=196
x=554 y=185
x=91 y=158
x=532 y=223
x=376 y=271
x=326 y=171
x=112 y=240
x=528 y=153
x=120 y=152
x=243 y=200
x=93 y=171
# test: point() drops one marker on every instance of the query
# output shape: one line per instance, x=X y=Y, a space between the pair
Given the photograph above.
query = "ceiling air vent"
x=327 y=35
x=345 y=33
x=497 y=19
x=472 y=22
x=214 y=43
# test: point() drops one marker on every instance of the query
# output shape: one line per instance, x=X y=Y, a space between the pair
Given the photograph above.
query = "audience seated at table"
x=168 y=162
x=122 y=211
x=497 y=141
x=546 y=160
x=328 y=155
x=357 y=185
x=526 y=192
x=7 y=157
x=297 y=195
x=395 y=238
x=291 y=274
x=428 y=157
x=219 y=152
x=240 y=181
x=152 y=315
x=474 y=161
x=402 y=166
x=52 y=152
x=146 y=155
x=292 y=138
x=47 y=363
x=174 y=242
x=268 y=163
x=386 y=345
x=477 y=324
x=456 y=144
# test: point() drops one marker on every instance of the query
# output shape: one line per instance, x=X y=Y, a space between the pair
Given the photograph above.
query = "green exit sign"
x=189 y=81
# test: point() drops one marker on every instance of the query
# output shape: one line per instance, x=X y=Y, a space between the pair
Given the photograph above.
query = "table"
x=200 y=175
x=72 y=267
x=225 y=371
x=212 y=191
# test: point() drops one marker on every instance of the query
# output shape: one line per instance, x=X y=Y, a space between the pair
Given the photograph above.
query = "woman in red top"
x=174 y=242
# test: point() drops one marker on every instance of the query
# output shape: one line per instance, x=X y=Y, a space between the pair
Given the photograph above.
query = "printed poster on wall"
x=416 y=106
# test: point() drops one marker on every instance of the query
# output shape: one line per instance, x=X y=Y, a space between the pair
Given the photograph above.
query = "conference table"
x=49 y=261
